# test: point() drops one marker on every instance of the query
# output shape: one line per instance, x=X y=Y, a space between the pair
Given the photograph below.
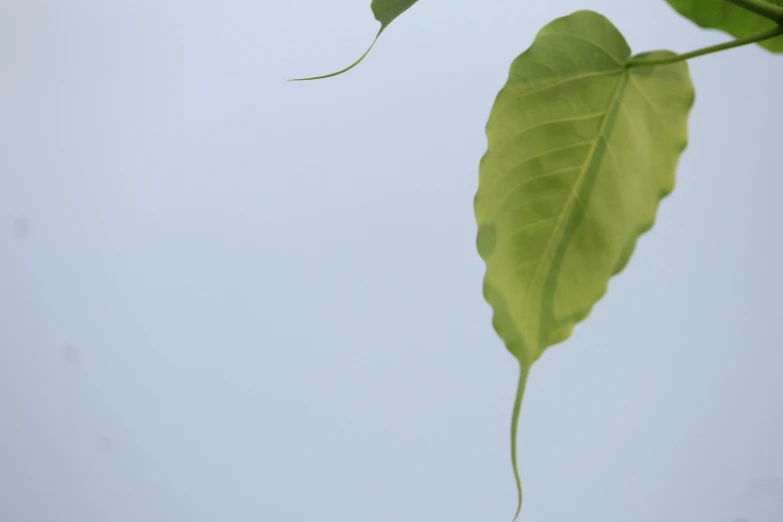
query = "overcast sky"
x=224 y=297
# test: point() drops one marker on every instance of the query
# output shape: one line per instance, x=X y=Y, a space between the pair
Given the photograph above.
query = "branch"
x=760 y=7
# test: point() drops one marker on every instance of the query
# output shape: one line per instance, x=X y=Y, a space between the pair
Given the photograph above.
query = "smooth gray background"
x=224 y=297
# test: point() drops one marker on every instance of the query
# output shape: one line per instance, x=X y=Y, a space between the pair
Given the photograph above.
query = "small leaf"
x=385 y=12
x=581 y=149
x=730 y=18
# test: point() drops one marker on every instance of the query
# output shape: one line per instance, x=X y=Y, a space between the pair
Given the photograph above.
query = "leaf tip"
x=524 y=368
x=341 y=71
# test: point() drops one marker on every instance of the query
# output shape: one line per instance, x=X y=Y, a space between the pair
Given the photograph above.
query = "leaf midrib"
x=558 y=229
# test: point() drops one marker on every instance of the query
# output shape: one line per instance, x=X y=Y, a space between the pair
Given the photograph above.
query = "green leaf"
x=581 y=149
x=730 y=18
x=385 y=12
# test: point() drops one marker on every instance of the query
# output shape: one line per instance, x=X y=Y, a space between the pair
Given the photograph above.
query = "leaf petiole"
x=739 y=42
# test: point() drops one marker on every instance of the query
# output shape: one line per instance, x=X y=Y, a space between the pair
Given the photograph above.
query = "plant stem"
x=760 y=7
x=739 y=42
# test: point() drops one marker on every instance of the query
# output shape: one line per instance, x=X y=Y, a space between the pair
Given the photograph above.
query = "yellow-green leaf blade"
x=581 y=149
x=385 y=11
x=730 y=18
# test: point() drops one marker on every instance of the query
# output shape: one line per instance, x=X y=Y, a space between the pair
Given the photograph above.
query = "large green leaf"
x=723 y=15
x=581 y=149
x=385 y=12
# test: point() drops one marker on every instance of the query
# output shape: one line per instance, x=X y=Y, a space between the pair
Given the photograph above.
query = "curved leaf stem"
x=739 y=42
x=760 y=7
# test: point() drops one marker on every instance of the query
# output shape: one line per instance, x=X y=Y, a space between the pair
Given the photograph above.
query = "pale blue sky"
x=241 y=299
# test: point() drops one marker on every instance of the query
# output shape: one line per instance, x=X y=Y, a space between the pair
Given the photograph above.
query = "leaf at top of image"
x=581 y=149
x=730 y=18
x=385 y=11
